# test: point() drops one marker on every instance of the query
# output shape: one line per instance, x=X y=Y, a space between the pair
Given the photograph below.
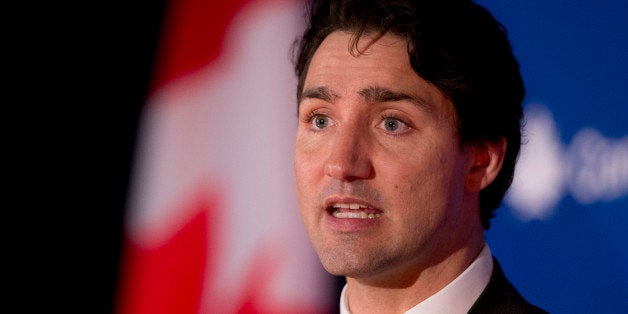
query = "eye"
x=320 y=121
x=393 y=125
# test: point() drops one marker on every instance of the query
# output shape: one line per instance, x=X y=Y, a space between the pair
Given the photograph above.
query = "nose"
x=349 y=157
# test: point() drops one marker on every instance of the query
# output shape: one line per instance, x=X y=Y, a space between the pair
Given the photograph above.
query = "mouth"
x=353 y=211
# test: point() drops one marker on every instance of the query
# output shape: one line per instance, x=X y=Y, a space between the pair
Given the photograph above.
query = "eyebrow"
x=372 y=94
x=321 y=92
x=378 y=94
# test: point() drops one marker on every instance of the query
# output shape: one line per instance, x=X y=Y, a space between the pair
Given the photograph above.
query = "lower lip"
x=351 y=224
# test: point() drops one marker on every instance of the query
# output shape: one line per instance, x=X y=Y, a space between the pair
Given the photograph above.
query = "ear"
x=486 y=161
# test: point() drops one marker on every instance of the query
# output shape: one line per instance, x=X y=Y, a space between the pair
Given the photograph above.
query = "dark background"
x=119 y=58
x=77 y=77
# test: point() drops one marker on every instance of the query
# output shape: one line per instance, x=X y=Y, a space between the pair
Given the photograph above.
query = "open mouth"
x=354 y=211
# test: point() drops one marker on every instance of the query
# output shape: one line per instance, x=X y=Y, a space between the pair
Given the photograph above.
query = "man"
x=409 y=129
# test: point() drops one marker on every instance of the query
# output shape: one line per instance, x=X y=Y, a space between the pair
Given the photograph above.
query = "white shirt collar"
x=458 y=296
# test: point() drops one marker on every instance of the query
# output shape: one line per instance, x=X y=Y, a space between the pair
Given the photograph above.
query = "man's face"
x=380 y=173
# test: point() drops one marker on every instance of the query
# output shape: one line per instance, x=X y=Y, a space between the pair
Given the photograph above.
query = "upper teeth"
x=358 y=215
x=361 y=214
x=350 y=206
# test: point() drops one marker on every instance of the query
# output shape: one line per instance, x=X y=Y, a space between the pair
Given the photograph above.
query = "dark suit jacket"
x=500 y=296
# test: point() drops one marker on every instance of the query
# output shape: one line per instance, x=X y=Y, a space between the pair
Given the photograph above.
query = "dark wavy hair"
x=456 y=45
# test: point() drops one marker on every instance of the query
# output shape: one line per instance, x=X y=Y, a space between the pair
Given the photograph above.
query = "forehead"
x=366 y=44
x=369 y=52
x=375 y=60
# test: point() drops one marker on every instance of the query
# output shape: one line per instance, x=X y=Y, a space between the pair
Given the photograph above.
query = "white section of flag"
x=231 y=125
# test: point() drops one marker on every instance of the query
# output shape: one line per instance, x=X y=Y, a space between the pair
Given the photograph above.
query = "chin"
x=343 y=270
x=346 y=263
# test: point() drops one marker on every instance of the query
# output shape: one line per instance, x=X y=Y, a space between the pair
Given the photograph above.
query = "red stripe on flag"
x=192 y=36
x=253 y=297
x=169 y=278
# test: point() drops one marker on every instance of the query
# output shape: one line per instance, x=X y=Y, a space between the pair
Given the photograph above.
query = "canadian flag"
x=212 y=223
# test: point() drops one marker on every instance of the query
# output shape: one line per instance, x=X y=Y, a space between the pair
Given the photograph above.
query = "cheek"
x=300 y=175
x=406 y=183
x=305 y=173
x=309 y=156
x=422 y=180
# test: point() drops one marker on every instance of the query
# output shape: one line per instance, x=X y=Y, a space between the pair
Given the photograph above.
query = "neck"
x=414 y=285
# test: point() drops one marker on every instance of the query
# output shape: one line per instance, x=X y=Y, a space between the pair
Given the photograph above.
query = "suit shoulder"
x=500 y=296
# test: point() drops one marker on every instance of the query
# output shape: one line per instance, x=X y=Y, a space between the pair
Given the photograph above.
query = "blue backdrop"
x=561 y=234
